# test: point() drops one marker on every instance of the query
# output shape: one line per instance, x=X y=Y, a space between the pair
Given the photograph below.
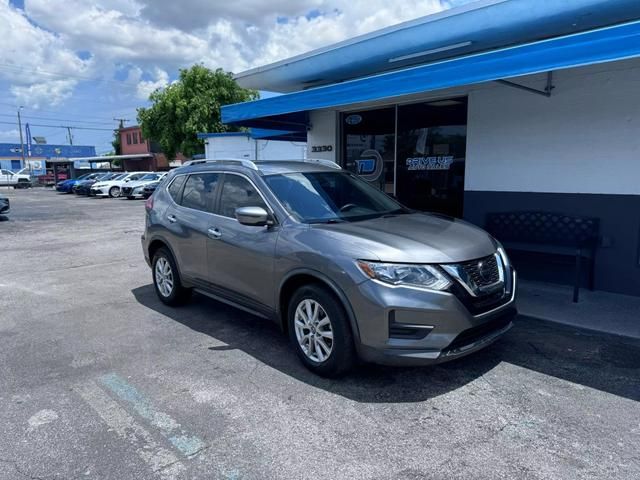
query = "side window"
x=199 y=191
x=175 y=189
x=238 y=192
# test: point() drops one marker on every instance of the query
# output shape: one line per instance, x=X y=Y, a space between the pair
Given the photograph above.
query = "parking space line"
x=159 y=459
x=188 y=444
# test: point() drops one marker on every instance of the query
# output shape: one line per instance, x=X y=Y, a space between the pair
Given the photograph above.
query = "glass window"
x=135 y=138
x=369 y=145
x=238 y=192
x=323 y=197
x=128 y=139
x=175 y=189
x=199 y=191
x=140 y=135
x=432 y=141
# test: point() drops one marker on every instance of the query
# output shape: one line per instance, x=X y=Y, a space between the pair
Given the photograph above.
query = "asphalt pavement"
x=99 y=380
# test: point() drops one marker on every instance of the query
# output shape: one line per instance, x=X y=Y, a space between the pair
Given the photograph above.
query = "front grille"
x=483 y=272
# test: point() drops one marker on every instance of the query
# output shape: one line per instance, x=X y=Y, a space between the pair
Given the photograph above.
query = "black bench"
x=550 y=233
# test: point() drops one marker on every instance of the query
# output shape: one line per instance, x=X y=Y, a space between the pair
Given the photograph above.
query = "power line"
x=38 y=110
x=63 y=126
x=58 y=119
x=65 y=75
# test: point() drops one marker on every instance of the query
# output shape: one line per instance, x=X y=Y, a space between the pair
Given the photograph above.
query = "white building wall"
x=585 y=138
x=323 y=133
x=241 y=146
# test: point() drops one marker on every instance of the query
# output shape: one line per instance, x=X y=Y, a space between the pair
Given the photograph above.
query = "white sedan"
x=134 y=189
x=111 y=188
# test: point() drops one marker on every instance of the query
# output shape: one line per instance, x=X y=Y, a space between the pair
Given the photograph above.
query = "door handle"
x=214 y=233
x=172 y=219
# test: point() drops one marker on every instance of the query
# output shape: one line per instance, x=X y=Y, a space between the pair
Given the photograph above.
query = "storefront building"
x=500 y=106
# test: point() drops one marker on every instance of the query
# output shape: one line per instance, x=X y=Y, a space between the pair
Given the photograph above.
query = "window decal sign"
x=353 y=119
x=429 y=163
x=370 y=165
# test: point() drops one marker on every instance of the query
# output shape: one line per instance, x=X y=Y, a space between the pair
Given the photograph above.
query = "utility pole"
x=122 y=122
x=70 y=136
x=21 y=139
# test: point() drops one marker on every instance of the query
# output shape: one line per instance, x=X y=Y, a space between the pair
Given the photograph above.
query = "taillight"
x=148 y=205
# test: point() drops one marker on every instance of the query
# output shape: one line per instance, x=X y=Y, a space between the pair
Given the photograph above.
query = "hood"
x=415 y=238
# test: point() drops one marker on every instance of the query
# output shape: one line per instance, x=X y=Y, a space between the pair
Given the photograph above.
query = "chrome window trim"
x=271 y=211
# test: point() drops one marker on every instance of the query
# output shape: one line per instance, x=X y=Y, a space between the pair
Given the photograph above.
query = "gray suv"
x=344 y=269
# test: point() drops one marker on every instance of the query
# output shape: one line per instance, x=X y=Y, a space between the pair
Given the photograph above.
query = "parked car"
x=111 y=188
x=345 y=269
x=16 y=180
x=66 y=186
x=5 y=205
x=134 y=189
x=83 y=187
x=148 y=189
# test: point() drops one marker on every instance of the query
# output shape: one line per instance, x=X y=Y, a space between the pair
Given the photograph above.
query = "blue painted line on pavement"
x=189 y=445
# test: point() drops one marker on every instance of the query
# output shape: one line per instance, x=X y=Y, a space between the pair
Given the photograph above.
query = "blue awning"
x=596 y=46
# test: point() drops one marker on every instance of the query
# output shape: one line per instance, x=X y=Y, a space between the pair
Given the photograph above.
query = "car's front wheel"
x=320 y=332
x=166 y=279
x=114 y=192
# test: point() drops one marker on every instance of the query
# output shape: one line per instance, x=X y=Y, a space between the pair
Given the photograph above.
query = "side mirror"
x=253 y=216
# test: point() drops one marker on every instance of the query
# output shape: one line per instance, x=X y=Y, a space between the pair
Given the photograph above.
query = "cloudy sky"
x=83 y=62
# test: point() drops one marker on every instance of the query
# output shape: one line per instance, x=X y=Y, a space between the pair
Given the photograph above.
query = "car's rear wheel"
x=166 y=279
x=114 y=192
x=320 y=332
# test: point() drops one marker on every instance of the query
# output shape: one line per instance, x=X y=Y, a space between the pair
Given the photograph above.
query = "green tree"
x=115 y=143
x=189 y=106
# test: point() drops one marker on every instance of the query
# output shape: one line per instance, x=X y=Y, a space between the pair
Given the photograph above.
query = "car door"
x=241 y=257
x=188 y=220
x=5 y=177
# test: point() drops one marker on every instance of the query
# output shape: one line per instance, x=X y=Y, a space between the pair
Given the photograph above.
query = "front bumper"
x=408 y=326
x=100 y=192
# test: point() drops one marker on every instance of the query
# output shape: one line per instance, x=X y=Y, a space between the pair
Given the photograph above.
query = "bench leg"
x=576 y=286
x=592 y=272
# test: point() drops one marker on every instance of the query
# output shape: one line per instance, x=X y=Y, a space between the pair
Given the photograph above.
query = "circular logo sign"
x=353 y=119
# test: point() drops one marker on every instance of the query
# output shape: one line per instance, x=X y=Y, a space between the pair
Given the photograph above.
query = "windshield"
x=327 y=197
x=150 y=176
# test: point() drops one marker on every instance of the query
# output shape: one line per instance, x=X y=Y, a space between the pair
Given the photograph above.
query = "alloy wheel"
x=164 y=277
x=314 y=331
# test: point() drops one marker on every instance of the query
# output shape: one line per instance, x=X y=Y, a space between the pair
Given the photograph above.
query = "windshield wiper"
x=327 y=221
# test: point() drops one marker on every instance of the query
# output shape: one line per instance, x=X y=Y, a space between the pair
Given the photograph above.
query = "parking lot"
x=98 y=379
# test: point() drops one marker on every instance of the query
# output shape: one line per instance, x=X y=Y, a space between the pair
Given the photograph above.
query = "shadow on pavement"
x=605 y=362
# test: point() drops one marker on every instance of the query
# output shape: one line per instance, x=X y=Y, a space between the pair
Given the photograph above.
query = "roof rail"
x=228 y=161
x=322 y=161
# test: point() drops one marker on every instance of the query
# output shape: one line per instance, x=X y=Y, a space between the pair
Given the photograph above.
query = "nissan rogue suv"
x=344 y=269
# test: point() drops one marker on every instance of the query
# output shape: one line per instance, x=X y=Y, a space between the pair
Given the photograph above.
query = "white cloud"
x=9 y=135
x=146 y=87
x=152 y=39
x=42 y=94
x=35 y=61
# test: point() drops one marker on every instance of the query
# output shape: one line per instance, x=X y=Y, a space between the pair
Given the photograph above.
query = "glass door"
x=368 y=139
x=431 y=151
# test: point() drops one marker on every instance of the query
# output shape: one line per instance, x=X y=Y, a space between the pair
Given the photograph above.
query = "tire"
x=164 y=269
x=129 y=197
x=114 y=192
x=341 y=356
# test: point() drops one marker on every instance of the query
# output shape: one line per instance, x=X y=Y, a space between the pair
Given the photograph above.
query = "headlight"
x=503 y=255
x=424 y=276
